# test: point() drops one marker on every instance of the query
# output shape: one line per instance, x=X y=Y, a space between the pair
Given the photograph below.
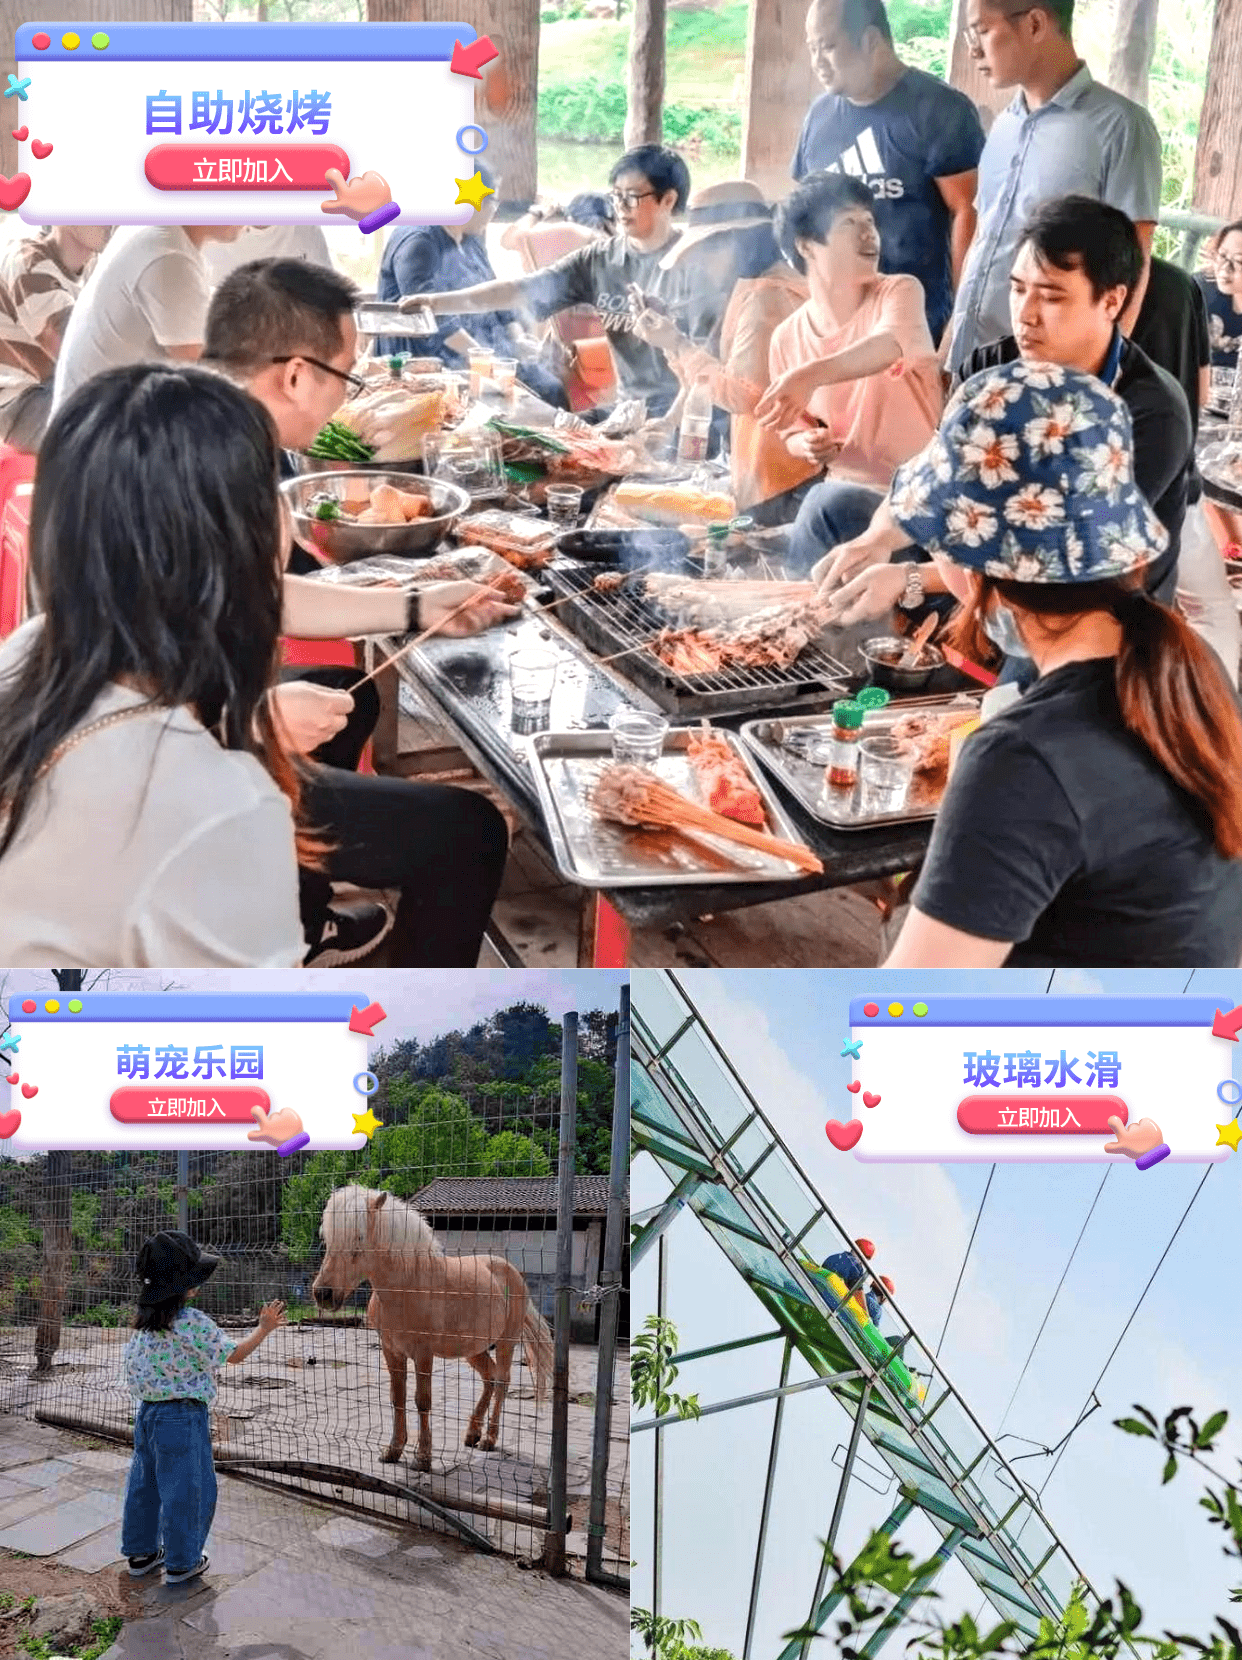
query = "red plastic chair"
x=17 y=472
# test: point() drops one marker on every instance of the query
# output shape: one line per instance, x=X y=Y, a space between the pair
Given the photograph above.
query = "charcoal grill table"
x=465 y=684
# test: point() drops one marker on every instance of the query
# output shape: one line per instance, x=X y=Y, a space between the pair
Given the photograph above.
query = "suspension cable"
x=965 y=1260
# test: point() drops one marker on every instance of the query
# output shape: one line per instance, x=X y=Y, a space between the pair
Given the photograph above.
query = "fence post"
x=610 y=1313
x=554 y=1540
x=183 y=1189
x=54 y=1271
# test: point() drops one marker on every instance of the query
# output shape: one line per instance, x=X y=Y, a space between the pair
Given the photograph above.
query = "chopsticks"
x=418 y=640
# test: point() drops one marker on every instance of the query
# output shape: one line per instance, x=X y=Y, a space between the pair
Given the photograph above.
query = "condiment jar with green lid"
x=847 y=719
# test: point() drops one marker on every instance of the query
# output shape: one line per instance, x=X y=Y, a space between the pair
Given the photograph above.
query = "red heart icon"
x=39 y=150
x=870 y=1100
x=854 y=1087
x=10 y=1124
x=30 y=1091
x=14 y=191
x=13 y=1078
x=843 y=1136
x=21 y=134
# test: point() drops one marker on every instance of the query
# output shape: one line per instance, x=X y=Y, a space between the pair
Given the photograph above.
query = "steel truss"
x=725 y=1162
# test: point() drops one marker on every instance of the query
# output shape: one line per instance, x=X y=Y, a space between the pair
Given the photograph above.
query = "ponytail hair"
x=1172 y=690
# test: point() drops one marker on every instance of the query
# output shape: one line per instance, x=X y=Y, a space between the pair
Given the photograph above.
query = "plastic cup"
x=504 y=373
x=480 y=370
x=885 y=773
x=564 y=504
x=637 y=736
x=532 y=678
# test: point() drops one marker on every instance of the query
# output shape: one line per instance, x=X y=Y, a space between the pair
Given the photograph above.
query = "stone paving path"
x=294 y=1580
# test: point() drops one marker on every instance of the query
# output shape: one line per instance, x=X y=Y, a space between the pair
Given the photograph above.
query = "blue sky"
x=783 y=1031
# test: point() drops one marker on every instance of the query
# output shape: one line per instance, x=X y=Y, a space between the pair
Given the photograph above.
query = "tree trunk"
x=780 y=86
x=644 y=122
x=504 y=101
x=1133 y=48
x=1218 y=156
x=15 y=12
x=54 y=1274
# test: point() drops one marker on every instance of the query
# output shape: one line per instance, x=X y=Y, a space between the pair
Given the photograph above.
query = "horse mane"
x=401 y=1229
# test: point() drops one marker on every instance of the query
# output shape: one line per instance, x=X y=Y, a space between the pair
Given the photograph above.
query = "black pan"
x=665 y=550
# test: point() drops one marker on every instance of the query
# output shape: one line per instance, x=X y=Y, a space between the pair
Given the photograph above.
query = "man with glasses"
x=913 y=141
x=650 y=184
x=145 y=301
x=284 y=329
x=1063 y=134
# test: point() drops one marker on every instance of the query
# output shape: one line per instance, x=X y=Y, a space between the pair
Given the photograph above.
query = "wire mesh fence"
x=412 y=1377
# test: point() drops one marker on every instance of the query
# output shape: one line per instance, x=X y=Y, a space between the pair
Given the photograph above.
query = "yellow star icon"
x=473 y=191
x=366 y=1123
x=1229 y=1134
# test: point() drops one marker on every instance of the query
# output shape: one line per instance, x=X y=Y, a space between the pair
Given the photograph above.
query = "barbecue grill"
x=613 y=623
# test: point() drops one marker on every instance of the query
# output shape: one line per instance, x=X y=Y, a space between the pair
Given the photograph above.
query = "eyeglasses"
x=973 y=35
x=630 y=198
x=354 y=382
x=1229 y=262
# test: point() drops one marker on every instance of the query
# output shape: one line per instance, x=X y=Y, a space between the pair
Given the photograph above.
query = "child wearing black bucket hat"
x=170 y=1366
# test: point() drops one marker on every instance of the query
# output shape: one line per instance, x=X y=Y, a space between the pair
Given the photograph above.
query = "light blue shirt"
x=180 y=1363
x=1087 y=140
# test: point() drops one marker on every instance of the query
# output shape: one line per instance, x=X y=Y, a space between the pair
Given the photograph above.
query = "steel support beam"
x=819 y=1618
x=838 y=1508
x=766 y=1509
x=646 y=1236
x=748 y=1400
x=908 y=1598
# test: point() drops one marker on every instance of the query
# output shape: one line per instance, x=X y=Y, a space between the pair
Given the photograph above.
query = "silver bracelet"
x=913 y=595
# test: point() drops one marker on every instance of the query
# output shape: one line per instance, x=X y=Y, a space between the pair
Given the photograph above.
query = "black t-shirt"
x=1061 y=832
x=600 y=275
x=1164 y=443
x=920 y=131
x=1172 y=328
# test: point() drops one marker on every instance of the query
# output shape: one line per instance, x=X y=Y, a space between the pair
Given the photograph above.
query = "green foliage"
x=652 y=1374
x=664 y=1638
x=102 y=1314
x=593 y=110
x=105 y=1633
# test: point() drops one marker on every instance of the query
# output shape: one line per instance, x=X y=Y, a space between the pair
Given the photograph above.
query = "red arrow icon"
x=468 y=60
x=366 y=1020
x=1228 y=1025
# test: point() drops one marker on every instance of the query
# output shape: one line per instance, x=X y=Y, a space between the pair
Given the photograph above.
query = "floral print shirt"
x=180 y=1363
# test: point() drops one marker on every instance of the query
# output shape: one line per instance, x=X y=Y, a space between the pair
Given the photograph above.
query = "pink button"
x=244 y=166
x=1040 y=1114
x=871 y=1010
x=40 y=42
x=184 y=1101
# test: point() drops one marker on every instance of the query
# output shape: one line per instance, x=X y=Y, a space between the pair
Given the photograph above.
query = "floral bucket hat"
x=1031 y=479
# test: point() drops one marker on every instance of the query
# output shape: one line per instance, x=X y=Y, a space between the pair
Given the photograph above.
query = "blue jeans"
x=831 y=513
x=170 y=1498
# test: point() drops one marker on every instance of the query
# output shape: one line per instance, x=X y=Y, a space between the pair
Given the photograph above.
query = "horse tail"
x=537 y=1340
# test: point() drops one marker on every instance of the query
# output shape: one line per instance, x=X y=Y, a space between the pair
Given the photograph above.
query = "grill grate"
x=609 y=623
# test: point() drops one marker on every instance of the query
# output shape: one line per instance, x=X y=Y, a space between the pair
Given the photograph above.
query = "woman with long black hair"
x=150 y=810
x=1097 y=821
x=149 y=806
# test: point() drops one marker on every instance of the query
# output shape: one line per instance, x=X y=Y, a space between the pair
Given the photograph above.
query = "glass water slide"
x=691 y=1111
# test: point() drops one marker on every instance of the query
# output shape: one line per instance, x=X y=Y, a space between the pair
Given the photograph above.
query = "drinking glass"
x=885 y=772
x=637 y=736
x=532 y=677
x=564 y=504
x=504 y=373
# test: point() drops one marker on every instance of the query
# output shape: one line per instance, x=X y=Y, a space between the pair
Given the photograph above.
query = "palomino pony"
x=424 y=1304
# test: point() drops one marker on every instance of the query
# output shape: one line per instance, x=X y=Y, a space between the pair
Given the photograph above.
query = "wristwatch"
x=412 y=622
x=913 y=594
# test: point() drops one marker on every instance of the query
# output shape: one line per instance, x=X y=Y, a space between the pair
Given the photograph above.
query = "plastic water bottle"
x=696 y=423
x=1235 y=404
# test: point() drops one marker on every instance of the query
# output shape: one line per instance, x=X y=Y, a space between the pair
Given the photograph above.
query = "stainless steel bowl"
x=340 y=542
x=880 y=657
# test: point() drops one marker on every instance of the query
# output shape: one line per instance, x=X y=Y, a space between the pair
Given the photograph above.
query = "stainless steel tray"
x=597 y=854
x=386 y=317
x=843 y=809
